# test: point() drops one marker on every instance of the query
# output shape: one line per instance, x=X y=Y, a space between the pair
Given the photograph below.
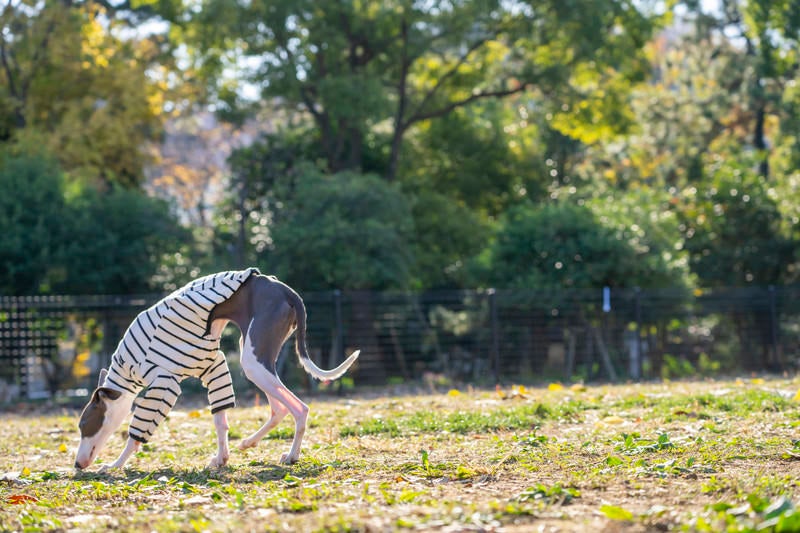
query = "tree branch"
x=12 y=85
x=442 y=79
x=402 y=94
x=36 y=60
x=461 y=103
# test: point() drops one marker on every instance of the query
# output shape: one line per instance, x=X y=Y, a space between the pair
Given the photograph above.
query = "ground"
x=699 y=456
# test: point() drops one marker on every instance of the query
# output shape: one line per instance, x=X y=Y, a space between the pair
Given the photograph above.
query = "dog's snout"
x=78 y=466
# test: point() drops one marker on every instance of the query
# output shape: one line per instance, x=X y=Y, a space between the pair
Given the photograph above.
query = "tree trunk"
x=759 y=140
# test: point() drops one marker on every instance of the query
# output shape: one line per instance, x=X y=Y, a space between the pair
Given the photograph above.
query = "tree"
x=32 y=212
x=262 y=183
x=573 y=246
x=69 y=84
x=369 y=72
x=768 y=33
x=733 y=228
x=343 y=231
x=74 y=240
x=447 y=234
x=118 y=240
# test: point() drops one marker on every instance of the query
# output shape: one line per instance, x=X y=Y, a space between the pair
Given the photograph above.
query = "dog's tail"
x=302 y=350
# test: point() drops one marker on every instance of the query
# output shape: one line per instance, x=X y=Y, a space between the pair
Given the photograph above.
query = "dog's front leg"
x=130 y=448
x=221 y=425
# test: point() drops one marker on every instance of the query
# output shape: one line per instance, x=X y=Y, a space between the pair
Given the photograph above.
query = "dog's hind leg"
x=279 y=411
x=272 y=331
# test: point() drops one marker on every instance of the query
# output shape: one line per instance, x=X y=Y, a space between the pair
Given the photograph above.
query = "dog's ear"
x=105 y=393
x=103 y=374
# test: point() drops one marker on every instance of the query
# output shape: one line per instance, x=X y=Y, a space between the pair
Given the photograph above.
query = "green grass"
x=695 y=456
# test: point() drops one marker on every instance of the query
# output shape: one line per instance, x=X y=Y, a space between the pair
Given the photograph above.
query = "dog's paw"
x=106 y=468
x=287 y=459
x=247 y=443
x=217 y=462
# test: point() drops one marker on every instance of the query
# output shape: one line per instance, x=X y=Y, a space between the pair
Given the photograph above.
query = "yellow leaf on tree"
x=555 y=386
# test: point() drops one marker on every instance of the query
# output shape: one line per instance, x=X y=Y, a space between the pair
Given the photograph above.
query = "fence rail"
x=55 y=343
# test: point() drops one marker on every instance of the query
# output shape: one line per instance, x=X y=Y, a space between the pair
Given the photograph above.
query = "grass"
x=696 y=456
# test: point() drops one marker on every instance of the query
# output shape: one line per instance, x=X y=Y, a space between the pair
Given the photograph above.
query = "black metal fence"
x=51 y=344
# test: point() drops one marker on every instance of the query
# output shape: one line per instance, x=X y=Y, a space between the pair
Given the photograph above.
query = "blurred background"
x=469 y=191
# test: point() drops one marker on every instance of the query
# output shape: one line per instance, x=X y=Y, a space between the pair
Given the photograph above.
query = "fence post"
x=773 y=314
x=337 y=316
x=636 y=363
x=494 y=349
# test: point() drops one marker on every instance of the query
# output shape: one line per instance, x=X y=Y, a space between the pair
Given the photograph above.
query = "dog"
x=178 y=337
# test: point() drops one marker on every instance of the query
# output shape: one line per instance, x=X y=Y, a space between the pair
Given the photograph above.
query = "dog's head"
x=101 y=417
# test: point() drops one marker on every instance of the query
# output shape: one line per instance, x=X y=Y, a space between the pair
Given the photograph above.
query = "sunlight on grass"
x=702 y=455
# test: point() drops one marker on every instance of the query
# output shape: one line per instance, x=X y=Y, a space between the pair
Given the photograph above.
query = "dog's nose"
x=78 y=465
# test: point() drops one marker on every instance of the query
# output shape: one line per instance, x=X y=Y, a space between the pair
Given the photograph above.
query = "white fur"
x=116 y=412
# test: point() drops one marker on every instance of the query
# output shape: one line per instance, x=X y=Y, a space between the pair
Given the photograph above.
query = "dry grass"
x=689 y=455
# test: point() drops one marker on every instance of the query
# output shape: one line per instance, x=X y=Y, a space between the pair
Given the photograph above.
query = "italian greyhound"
x=266 y=311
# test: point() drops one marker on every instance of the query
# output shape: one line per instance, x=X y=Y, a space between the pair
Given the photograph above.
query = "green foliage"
x=446 y=234
x=634 y=444
x=117 y=242
x=555 y=494
x=566 y=245
x=69 y=83
x=346 y=230
x=734 y=229
x=80 y=240
x=476 y=157
x=355 y=67
x=32 y=211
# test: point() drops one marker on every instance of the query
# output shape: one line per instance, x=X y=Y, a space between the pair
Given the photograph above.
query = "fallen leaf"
x=17 y=499
x=616 y=513
x=555 y=386
x=62 y=448
x=797 y=396
x=454 y=392
x=195 y=414
x=26 y=472
x=757 y=381
x=613 y=419
x=577 y=387
x=518 y=391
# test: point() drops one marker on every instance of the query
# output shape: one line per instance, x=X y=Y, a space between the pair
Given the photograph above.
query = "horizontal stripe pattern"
x=167 y=343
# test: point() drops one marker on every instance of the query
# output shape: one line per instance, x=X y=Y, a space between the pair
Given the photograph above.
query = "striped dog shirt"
x=170 y=341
